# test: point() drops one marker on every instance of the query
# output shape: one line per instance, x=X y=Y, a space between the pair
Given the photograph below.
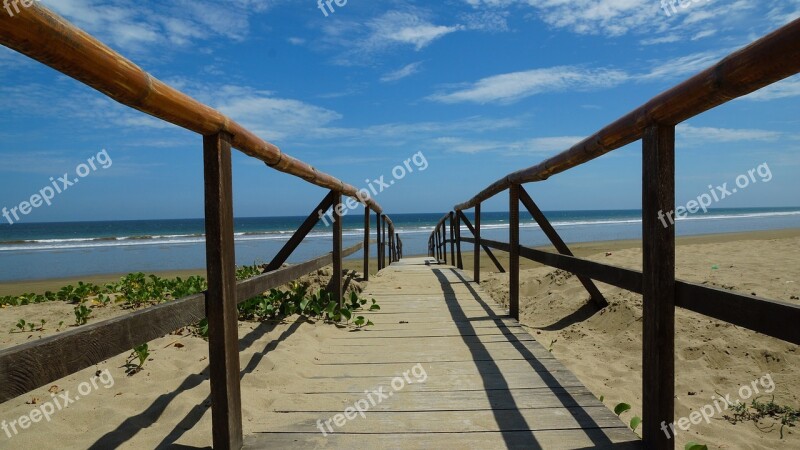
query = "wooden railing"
x=766 y=61
x=51 y=40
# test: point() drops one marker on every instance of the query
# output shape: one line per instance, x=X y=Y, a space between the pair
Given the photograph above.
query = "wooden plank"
x=336 y=279
x=574 y=418
x=481 y=382
x=617 y=439
x=769 y=317
x=448 y=401
x=301 y=233
x=381 y=372
x=223 y=315
x=513 y=264
x=559 y=244
x=658 y=283
x=746 y=311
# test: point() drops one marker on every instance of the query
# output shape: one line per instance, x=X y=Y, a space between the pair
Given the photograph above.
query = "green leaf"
x=374 y=308
x=621 y=408
x=347 y=313
x=635 y=422
x=695 y=446
x=602 y=398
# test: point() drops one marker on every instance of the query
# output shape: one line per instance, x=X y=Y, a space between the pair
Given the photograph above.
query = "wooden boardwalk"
x=487 y=382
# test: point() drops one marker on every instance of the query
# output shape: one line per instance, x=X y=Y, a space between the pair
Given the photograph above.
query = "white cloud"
x=392 y=30
x=614 y=18
x=511 y=87
x=523 y=147
x=401 y=73
x=691 y=135
x=129 y=26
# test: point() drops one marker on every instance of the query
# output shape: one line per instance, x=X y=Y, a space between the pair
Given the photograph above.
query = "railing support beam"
x=221 y=310
x=559 y=244
x=658 y=278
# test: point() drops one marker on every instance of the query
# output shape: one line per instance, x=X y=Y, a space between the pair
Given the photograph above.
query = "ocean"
x=55 y=250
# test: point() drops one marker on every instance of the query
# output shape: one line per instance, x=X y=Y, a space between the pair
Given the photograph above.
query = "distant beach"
x=60 y=250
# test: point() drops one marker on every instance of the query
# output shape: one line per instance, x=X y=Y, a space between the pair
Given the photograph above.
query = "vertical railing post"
x=366 y=242
x=221 y=309
x=658 y=286
x=438 y=245
x=379 y=247
x=383 y=240
x=399 y=246
x=460 y=263
x=477 y=254
x=513 y=271
x=452 y=240
x=391 y=244
x=444 y=241
x=336 y=281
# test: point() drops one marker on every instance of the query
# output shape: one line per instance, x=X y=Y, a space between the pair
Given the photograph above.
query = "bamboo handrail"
x=765 y=61
x=48 y=38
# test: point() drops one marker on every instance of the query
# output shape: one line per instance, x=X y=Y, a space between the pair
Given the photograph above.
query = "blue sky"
x=481 y=87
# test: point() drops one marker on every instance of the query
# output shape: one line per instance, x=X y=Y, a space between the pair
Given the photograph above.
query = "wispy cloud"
x=401 y=73
x=130 y=26
x=690 y=135
x=512 y=87
x=411 y=28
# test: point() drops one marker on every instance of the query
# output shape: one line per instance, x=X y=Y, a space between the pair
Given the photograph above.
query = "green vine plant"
x=138 y=290
x=758 y=410
x=635 y=420
x=140 y=353
x=695 y=446
x=82 y=314
x=22 y=326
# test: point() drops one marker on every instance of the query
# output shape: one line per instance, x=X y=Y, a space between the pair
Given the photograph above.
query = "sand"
x=167 y=403
x=712 y=357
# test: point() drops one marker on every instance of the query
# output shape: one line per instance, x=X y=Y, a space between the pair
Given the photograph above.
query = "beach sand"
x=167 y=404
x=712 y=357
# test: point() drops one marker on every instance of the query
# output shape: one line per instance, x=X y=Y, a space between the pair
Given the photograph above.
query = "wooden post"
x=366 y=242
x=444 y=241
x=438 y=246
x=336 y=281
x=477 y=254
x=391 y=244
x=379 y=246
x=452 y=240
x=513 y=270
x=460 y=264
x=383 y=240
x=658 y=283
x=221 y=310
x=399 y=246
